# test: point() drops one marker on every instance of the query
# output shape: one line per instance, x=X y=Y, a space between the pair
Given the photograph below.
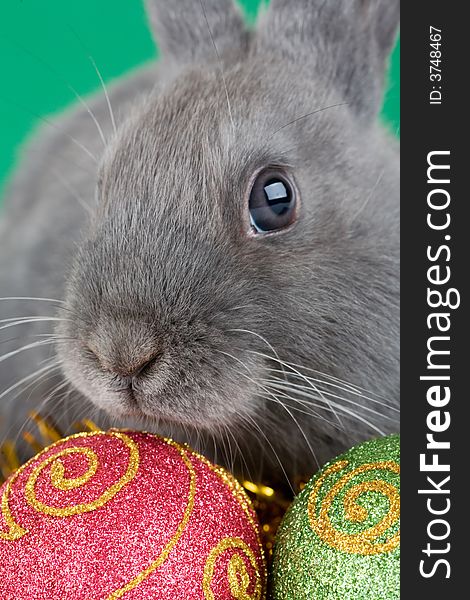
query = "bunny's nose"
x=130 y=365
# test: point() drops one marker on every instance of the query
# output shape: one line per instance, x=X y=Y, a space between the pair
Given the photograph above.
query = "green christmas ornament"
x=340 y=539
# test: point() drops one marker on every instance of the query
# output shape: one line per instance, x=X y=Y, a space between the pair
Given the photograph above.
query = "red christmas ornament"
x=101 y=516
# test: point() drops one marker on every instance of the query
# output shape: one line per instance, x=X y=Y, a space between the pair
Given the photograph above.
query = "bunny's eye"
x=272 y=203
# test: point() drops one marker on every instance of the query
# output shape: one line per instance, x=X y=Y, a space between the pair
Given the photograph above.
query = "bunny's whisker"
x=293 y=369
x=25 y=348
x=105 y=91
x=221 y=68
x=239 y=452
x=100 y=77
x=293 y=387
x=262 y=338
x=309 y=114
x=269 y=394
x=276 y=399
x=52 y=125
x=21 y=319
x=86 y=207
x=362 y=208
x=40 y=407
x=40 y=377
x=343 y=409
x=353 y=388
x=13 y=321
x=230 y=449
x=13 y=387
x=343 y=387
x=258 y=429
x=66 y=162
x=27 y=298
x=306 y=406
x=33 y=335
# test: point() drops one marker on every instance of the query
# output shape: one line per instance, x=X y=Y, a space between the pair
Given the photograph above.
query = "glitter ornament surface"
x=101 y=516
x=340 y=540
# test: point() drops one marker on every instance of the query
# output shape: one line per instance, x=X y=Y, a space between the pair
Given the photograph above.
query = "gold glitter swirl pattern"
x=177 y=535
x=365 y=542
x=238 y=577
x=58 y=479
x=60 y=482
x=237 y=573
x=16 y=531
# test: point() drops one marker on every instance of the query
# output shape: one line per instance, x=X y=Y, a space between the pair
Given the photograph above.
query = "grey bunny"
x=270 y=346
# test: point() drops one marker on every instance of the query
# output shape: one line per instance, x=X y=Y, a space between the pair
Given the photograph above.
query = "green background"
x=44 y=48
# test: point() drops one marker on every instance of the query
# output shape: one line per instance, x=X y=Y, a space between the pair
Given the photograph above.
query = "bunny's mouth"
x=168 y=407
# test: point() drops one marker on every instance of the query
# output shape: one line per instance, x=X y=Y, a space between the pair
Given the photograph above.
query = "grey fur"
x=181 y=31
x=167 y=269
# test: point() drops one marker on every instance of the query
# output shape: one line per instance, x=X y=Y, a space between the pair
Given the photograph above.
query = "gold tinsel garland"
x=269 y=504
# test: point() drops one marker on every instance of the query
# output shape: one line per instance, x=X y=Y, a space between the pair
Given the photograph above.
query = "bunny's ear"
x=187 y=30
x=348 y=41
